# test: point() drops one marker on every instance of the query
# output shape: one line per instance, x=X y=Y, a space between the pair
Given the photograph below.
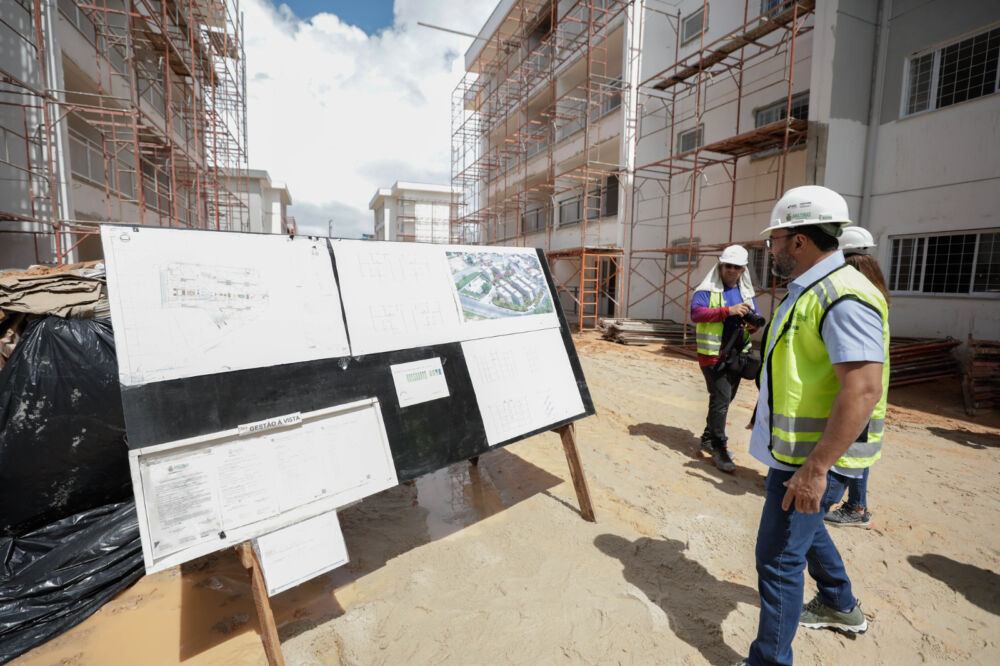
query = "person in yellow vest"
x=718 y=307
x=823 y=387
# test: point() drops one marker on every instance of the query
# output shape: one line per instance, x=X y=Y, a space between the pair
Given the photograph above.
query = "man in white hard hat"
x=823 y=388
x=720 y=303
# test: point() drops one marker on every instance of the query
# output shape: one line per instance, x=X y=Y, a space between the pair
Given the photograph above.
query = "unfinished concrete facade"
x=119 y=110
x=723 y=106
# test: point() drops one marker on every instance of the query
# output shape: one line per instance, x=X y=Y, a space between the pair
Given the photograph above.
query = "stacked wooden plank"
x=645 y=331
x=913 y=360
x=981 y=383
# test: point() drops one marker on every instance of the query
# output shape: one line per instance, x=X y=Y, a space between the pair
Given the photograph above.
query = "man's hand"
x=738 y=310
x=806 y=487
x=860 y=391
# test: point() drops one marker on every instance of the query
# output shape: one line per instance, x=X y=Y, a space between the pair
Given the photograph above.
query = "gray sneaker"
x=845 y=516
x=817 y=615
x=722 y=459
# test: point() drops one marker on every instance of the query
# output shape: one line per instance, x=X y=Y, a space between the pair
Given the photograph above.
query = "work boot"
x=721 y=458
x=706 y=443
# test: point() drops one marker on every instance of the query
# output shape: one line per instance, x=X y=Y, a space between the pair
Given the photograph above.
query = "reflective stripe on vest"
x=806 y=382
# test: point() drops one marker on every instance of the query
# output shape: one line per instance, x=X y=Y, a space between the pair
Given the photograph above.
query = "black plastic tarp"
x=62 y=431
x=56 y=576
x=69 y=536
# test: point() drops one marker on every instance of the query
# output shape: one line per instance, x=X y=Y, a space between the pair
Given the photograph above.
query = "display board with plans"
x=244 y=352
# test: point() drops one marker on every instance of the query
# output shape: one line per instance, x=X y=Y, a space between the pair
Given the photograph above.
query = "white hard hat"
x=809 y=204
x=856 y=240
x=735 y=254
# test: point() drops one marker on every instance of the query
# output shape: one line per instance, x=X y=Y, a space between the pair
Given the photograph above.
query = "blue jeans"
x=857 y=491
x=788 y=543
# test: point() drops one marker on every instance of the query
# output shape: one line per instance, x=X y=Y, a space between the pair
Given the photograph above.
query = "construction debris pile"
x=981 y=382
x=76 y=291
x=645 y=331
x=914 y=360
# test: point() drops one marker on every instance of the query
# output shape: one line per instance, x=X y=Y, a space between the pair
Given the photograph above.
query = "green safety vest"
x=708 y=335
x=801 y=383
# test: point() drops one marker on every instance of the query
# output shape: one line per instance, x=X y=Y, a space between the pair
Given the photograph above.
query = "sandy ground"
x=493 y=564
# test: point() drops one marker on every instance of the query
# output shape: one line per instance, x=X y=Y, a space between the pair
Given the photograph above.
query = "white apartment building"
x=415 y=212
x=117 y=111
x=267 y=203
x=720 y=106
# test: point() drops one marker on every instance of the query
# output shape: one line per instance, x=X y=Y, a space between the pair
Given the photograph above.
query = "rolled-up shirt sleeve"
x=852 y=331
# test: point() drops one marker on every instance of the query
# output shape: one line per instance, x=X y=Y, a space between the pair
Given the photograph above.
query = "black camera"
x=753 y=319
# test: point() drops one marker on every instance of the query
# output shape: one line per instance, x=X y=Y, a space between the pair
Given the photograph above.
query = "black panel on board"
x=423 y=437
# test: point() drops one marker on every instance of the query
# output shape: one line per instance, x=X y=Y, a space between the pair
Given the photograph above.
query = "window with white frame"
x=772 y=113
x=954 y=263
x=955 y=73
x=691 y=25
x=682 y=259
x=691 y=139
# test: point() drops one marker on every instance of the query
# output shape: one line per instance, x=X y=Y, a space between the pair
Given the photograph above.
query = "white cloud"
x=336 y=114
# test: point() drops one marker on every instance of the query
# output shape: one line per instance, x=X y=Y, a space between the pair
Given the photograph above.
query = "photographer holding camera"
x=725 y=312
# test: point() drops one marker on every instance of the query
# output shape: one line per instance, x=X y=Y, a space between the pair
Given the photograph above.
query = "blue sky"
x=369 y=15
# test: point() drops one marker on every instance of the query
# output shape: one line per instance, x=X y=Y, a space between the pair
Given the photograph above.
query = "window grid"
x=778 y=111
x=965 y=70
x=691 y=139
x=959 y=263
x=691 y=26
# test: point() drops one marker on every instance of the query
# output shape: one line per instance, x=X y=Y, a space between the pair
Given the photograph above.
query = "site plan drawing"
x=186 y=303
x=491 y=285
x=402 y=295
x=522 y=381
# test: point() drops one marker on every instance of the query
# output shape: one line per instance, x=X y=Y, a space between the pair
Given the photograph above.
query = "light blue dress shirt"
x=851 y=332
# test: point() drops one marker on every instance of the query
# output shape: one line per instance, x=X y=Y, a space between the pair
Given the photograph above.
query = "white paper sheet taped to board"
x=294 y=554
x=404 y=295
x=186 y=303
x=419 y=381
x=198 y=495
x=522 y=381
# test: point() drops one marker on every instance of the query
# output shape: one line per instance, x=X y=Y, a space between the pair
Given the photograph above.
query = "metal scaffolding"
x=509 y=116
x=144 y=100
x=688 y=82
x=540 y=80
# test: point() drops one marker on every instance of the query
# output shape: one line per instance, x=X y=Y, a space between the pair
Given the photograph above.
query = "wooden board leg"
x=568 y=435
x=268 y=629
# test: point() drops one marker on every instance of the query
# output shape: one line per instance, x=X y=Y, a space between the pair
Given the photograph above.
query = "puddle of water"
x=203 y=612
x=456 y=497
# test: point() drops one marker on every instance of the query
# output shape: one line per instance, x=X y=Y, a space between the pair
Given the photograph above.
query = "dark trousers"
x=722 y=386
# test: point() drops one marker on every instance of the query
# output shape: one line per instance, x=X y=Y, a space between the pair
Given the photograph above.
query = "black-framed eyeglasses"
x=768 y=243
x=732 y=266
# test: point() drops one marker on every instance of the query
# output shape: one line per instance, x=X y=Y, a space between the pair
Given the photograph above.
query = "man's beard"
x=782 y=265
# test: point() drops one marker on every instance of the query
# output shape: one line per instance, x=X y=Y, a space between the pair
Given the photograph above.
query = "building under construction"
x=118 y=110
x=633 y=140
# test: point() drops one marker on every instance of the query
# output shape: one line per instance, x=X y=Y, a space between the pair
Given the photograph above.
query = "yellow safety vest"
x=801 y=383
x=708 y=335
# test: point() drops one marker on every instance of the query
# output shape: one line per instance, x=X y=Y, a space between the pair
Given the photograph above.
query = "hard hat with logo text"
x=735 y=254
x=810 y=204
x=856 y=240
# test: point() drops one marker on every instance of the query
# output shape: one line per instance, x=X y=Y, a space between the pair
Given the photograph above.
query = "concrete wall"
x=936 y=172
